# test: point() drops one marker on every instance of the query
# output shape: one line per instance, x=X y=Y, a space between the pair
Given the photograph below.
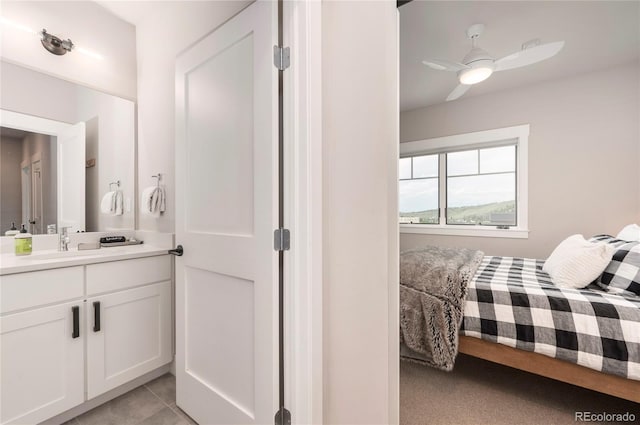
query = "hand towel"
x=106 y=203
x=118 y=201
x=157 y=202
x=145 y=202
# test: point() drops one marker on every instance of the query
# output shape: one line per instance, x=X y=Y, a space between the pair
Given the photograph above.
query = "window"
x=481 y=186
x=419 y=197
x=469 y=184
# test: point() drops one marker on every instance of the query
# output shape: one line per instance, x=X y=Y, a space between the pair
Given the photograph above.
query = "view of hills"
x=475 y=214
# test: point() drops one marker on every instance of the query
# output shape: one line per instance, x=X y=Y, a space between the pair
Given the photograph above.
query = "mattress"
x=512 y=301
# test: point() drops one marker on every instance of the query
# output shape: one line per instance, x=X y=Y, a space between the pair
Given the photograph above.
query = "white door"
x=36 y=192
x=25 y=181
x=226 y=212
x=42 y=363
x=128 y=335
x=71 y=162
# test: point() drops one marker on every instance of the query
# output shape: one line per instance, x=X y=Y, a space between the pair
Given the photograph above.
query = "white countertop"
x=53 y=259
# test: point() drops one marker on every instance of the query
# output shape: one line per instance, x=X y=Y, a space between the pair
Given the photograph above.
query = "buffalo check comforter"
x=511 y=301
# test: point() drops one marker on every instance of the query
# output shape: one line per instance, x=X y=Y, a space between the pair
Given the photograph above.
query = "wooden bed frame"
x=549 y=367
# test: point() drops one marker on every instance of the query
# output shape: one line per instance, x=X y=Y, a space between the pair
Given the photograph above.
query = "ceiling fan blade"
x=458 y=91
x=443 y=65
x=529 y=56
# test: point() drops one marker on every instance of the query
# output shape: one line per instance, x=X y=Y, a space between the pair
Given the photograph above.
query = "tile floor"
x=150 y=404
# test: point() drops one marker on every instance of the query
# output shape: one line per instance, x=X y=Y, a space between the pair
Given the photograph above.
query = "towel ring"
x=117 y=183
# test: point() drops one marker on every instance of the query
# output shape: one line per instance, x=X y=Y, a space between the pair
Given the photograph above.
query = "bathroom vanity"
x=75 y=325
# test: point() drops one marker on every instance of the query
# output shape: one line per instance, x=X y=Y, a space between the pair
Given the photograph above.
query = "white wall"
x=360 y=232
x=89 y=26
x=178 y=24
x=584 y=151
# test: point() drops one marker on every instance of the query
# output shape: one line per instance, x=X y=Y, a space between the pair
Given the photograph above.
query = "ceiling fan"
x=478 y=65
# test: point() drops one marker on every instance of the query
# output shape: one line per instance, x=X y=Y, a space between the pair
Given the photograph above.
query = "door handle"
x=75 y=311
x=177 y=252
x=96 y=316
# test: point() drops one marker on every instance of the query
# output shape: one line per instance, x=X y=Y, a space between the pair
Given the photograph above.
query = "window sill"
x=484 y=232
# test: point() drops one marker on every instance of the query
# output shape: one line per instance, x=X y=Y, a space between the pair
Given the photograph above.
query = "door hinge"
x=281 y=239
x=283 y=417
x=281 y=57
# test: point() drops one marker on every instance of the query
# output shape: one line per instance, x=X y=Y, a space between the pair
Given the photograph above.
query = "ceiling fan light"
x=474 y=75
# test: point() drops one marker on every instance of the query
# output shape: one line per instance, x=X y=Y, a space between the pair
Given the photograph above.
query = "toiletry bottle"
x=23 y=242
x=13 y=231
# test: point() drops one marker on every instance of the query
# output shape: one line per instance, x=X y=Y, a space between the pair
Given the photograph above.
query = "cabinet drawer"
x=27 y=290
x=113 y=276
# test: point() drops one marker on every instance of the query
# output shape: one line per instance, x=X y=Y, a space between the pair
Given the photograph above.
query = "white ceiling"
x=133 y=12
x=597 y=34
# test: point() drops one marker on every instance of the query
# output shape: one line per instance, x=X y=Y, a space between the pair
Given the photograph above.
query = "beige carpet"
x=478 y=392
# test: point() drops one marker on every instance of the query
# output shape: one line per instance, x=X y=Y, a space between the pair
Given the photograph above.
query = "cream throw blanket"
x=433 y=287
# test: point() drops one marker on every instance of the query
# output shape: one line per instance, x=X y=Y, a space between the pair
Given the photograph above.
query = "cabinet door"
x=128 y=335
x=42 y=363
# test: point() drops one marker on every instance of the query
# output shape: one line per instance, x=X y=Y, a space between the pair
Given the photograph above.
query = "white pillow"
x=576 y=262
x=630 y=233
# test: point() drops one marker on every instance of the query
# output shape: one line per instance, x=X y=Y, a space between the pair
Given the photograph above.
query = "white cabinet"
x=42 y=372
x=129 y=325
x=128 y=335
x=49 y=337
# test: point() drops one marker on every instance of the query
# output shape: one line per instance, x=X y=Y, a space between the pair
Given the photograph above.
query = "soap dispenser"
x=23 y=242
x=13 y=231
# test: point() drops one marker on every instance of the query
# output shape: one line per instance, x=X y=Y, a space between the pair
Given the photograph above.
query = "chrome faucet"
x=63 y=242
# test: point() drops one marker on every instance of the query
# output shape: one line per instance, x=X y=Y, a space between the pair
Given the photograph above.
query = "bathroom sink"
x=59 y=254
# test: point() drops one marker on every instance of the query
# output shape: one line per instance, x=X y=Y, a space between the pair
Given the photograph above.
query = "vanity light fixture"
x=54 y=44
x=50 y=42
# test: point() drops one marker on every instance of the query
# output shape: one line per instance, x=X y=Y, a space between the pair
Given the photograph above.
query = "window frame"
x=515 y=135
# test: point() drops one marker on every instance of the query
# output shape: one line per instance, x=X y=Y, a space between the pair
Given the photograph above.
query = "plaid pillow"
x=608 y=239
x=622 y=275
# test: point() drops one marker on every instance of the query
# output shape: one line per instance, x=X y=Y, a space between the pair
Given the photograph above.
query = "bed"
x=514 y=315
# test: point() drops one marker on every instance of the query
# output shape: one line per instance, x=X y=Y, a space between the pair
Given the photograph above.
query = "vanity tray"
x=109 y=244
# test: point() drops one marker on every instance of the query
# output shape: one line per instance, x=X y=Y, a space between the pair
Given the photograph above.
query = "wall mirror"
x=67 y=155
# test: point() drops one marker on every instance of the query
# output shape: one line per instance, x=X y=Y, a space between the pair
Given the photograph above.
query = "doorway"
x=29 y=174
x=54 y=143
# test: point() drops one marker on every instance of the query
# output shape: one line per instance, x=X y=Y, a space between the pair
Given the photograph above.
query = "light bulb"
x=474 y=75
